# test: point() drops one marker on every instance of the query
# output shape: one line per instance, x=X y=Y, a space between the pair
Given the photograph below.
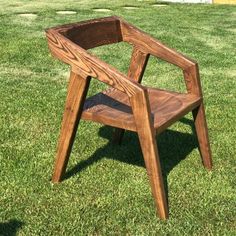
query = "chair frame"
x=69 y=44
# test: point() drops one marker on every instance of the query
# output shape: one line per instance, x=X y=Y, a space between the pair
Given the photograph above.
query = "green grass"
x=106 y=190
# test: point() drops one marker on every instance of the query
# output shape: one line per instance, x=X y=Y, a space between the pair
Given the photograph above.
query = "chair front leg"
x=77 y=90
x=146 y=133
x=152 y=162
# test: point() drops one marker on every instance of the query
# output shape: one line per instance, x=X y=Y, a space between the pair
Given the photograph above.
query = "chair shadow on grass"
x=10 y=228
x=173 y=147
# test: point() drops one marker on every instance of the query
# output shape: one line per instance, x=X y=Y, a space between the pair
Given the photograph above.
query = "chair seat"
x=112 y=107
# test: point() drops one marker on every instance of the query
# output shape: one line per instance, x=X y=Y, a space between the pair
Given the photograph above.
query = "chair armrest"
x=150 y=45
x=154 y=47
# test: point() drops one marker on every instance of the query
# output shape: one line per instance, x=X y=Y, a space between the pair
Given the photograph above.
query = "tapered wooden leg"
x=145 y=129
x=136 y=70
x=118 y=135
x=76 y=94
x=152 y=162
x=202 y=134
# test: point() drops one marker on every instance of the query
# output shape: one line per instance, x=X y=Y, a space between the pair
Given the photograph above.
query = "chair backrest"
x=93 y=33
x=69 y=43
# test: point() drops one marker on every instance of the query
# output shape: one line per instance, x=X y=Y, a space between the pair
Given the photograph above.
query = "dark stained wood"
x=146 y=133
x=136 y=70
x=118 y=135
x=192 y=80
x=193 y=85
x=202 y=134
x=126 y=105
x=85 y=64
x=148 y=44
x=138 y=64
x=90 y=35
x=77 y=91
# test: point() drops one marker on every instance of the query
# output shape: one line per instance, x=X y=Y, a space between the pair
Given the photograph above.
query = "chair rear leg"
x=76 y=94
x=136 y=70
x=202 y=134
x=118 y=135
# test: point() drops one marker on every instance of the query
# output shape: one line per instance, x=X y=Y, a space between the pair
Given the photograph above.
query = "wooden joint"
x=192 y=80
x=142 y=92
x=78 y=71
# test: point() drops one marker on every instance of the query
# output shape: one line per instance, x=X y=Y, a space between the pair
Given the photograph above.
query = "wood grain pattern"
x=101 y=33
x=193 y=85
x=77 y=91
x=84 y=63
x=90 y=34
x=202 y=134
x=138 y=64
x=146 y=132
x=192 y=80
x=136 y=70
x=113 y=108
x=154 y=47
x=126 y=104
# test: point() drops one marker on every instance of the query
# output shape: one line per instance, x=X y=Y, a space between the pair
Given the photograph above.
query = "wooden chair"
x=126 y=105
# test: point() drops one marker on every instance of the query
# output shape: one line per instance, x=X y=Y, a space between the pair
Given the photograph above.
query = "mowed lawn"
x=106 y=189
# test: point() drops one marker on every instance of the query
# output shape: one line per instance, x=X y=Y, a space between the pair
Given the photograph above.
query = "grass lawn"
x=106 y=190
